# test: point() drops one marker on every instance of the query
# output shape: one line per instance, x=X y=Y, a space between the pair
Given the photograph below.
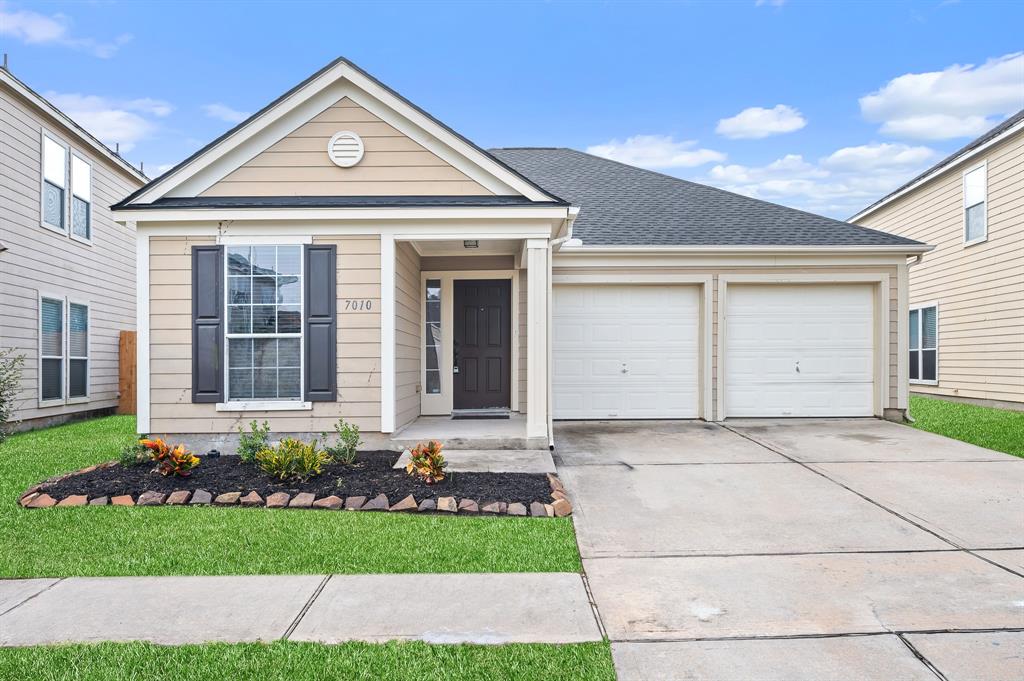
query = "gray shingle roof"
x=621 y=205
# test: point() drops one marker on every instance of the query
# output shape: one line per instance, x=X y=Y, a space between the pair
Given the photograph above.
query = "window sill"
x=264 y=406
x=976 y=241
x=59 y=402
x=52 y=228
x=80 y=239
x=915 y=381
x=78 y=400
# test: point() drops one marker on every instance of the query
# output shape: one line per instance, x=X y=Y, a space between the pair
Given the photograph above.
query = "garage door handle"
x=625 y=369
x=798 y=367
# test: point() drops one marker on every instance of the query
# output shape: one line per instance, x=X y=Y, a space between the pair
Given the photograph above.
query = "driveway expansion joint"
x=26 y=600
x=921 y=658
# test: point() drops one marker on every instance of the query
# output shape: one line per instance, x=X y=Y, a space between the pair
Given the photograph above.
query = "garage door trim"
x=880 y=335
x=705 y=340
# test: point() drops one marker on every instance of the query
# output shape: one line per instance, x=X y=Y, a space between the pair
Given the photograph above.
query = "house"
x=967 y=298
x=67 y=269
x=342 y=253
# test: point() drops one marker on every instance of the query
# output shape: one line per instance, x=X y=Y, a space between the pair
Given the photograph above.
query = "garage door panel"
x=801 y=350
x=650 y=331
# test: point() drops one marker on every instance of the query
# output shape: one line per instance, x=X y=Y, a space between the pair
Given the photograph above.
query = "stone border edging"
x=559 y=506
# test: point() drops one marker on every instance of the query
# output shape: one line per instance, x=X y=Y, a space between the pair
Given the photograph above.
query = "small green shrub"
x=426 y=462
x=292 y=459
x=11 y=365
x=133 y=455
x=253 y=442
x=344 y=450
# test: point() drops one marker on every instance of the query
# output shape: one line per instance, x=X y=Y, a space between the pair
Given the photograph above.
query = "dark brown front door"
x=483 y=343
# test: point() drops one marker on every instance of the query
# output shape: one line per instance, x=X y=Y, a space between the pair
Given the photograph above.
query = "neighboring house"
x=67 y=274
x=967 y=297
x=343 y=254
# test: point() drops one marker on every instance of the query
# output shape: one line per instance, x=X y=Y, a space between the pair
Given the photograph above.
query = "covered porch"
x=470 y=339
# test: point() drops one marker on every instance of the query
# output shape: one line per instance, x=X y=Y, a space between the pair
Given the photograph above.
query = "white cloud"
x=123 y=122
x=959 y=101
x=656 y=151
x=838 y=184
x=33 y=28
x=757 y=122
x=225 y=113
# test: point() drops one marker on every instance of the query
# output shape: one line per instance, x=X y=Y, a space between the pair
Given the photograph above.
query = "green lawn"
x=296 y=661
x=111 y=541
x=998 y=429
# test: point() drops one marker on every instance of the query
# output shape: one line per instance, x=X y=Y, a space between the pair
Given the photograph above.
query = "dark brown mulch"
x=371 y=475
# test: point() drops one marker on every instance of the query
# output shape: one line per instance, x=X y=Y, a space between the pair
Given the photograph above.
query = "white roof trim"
x=965 y=156
x=65 y=120
x=322 y=91
x=663 y=250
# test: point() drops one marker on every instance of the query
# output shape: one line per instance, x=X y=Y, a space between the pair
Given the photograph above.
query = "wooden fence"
x=126 y=380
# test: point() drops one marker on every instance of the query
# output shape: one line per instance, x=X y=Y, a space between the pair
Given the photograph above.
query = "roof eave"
x=746 y=249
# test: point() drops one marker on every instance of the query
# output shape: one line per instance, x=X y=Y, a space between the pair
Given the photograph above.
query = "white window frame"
x=983 y=166
x=88 y=351
x=65 y=212
x=71 y=197
x=920 y=340
x=265 y=405
x=63 y=357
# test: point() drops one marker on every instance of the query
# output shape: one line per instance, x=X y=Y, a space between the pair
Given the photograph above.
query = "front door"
x=483 y=343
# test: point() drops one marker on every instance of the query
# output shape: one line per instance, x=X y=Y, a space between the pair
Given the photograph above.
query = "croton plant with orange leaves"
x=426 y=462
x=170 y=460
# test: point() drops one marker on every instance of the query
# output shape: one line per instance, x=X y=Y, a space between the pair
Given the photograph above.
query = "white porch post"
x=387 y=333
x=538 y=295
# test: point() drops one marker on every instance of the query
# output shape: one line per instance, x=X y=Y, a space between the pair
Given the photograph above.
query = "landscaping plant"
x=253 y=442
x=292 y=459
x=10 y=381
x=134 y=454
x=170 y=460
x=426 y=462
x=344 y=451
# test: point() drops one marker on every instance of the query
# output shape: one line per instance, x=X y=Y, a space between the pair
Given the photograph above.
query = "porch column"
x=538 y=295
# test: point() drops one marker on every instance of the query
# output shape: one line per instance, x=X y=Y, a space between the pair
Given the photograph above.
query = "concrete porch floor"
x=488 y=434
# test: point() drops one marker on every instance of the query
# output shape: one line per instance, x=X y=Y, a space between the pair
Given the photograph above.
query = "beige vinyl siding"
x=359 y=382
x=979 y=288
x=715 y=273
x=393 y=164
x=465 y=263
x=408 y=334
x=101 y=274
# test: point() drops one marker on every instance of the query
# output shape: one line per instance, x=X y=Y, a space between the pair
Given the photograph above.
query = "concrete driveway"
x=799 y=549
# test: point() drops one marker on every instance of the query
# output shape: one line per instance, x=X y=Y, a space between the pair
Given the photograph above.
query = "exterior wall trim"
x=142 y=326
x=881 y=332
x=387 y=332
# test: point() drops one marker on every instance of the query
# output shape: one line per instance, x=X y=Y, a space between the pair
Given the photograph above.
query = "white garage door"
x=625 y=351
x=802 y=350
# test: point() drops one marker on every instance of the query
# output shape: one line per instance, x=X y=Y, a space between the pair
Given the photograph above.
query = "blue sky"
x=821 y=106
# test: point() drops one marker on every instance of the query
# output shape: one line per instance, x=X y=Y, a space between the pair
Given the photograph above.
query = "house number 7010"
x=358 y=305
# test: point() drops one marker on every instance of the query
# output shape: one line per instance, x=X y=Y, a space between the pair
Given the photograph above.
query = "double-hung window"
x=264 y=329
x=81 y=198
x=63 y=350
x=976 y=204
x=55 y=183
x=924 y=344
x=51 y=349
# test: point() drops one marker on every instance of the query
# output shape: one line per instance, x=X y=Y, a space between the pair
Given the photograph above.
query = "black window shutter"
x=207 y=323
x=321 y=332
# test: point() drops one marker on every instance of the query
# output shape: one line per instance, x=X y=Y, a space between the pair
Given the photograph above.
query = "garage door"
x=625 y=352
x=803 y=350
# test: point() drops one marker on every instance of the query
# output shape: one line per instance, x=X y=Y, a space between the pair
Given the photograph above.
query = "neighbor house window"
x=51 y=349
x=78 y=350
x=432 y=337
x=81 y=198
x=975 y=204
x=55 y=178
x=924 y=338
x=264 y=312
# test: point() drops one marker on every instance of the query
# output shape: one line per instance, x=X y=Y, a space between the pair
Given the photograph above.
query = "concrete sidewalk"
x=438 y=608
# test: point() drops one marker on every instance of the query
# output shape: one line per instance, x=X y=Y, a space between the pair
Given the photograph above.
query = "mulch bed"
x=370 y=476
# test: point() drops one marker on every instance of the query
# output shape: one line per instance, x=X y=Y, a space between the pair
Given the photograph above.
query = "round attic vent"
x=345 y=149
